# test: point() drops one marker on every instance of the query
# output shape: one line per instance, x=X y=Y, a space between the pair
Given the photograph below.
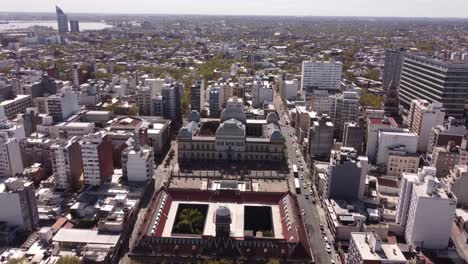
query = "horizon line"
x=234 y=15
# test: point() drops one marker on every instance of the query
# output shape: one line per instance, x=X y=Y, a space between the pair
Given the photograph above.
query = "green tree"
x=69 y=260
x=372 y=100
x=190 y=221
x=17 y=261
x=372 y=74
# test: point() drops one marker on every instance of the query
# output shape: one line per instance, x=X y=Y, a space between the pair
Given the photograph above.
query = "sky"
x=387 y=8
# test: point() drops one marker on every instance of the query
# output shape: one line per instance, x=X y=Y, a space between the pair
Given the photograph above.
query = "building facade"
x=434 y=81
x=320 y=75
x=66 y=163
x=96 y=153
x=392 y=68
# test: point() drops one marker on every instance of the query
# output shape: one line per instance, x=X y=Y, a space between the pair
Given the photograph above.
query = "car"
x=332 y=261
x=325 y=238
x=301 y=176
x=321 y=227
x=306 y=196
x=311 y=192
x=328 y=251
x=309 y=182
x=323 y=233
x=313 y=201
x=305 y=186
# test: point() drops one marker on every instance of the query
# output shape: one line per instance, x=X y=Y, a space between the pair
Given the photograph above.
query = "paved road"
x=314 y=215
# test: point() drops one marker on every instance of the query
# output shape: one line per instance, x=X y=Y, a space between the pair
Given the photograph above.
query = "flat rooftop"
x=237 y=218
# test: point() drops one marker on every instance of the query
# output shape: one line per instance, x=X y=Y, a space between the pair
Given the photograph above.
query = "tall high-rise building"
x=96 y=154
x=18 y=203
x=435 y=81
x=62 y=20
x=353 y=136
x=321 y=75
x=10 y=156
x=347 y=175
x=392 y=68
x=143 y=98
x=345 y=109
x=321 y=138
x=74 y=26
x=171 y=101
x=63 y=105
x=66 y=163
x=197 y=95
x=138 y=162
x=214 y=106
x=422 y=117
x=391 y=106
x=321 y=102
x=430 y=211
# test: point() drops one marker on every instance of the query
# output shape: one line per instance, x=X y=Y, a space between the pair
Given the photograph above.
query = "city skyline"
x=366 y=8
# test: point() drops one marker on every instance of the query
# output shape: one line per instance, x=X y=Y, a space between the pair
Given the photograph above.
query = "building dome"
x=233 y=112
x=272 y=118
x=223 y=215
x=231 y=128
x=194 y=116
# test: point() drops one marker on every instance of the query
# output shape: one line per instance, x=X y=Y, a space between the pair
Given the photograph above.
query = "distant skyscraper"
x=62 y=20
x=74 y=26
x=198 y=95
x=434 y=81
x=171 y=101
x=392 y=67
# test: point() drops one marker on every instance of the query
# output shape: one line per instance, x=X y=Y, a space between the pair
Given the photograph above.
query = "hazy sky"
x=407 y=8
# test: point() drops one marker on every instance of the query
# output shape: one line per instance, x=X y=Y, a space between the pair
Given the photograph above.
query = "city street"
x=314 y=215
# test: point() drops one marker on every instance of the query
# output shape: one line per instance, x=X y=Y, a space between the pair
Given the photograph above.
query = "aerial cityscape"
x=219 y=138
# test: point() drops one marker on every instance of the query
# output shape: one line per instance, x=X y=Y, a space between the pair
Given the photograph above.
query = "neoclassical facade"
x=231 y=137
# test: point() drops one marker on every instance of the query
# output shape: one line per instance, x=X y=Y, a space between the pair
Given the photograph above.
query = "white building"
x=138 y=163
x=389 y=141
x=422 y=117
x=18 y=204
x=10 y=156
x=321 y=75
x=458 y=184
x=291 y=88
x=374 y=126
x=96 y=154
x=262 y=92
x=425 y=209
x=66 y=163
x=63 y=105
x=367 y=247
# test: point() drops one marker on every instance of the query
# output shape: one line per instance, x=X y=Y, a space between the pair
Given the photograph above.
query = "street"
x=314 y=215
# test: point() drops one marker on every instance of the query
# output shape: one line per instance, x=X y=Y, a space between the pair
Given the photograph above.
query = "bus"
x=295 y=171
x=297 y=185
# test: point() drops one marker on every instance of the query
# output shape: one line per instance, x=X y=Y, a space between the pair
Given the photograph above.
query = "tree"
x=17 y=261
x=372 y=100
x=373 y=74
x=69 y=260
x=191 y=221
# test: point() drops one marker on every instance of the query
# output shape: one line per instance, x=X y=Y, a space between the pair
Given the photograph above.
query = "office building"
x=422 y=117
x=137 y=163
x=374 y=126
x=291 y=89
x=62 y=20
x=430 y=214
x=446 y=158
x=320 y=75
x=214 y=106
x=346 y=175
x=74 y=26
x=345 y=109
x=321 y=138
x=388 y=141
x=434 y=81
x=399 y=162
x=457 y=182
x=66 y=163
x=391 y=103
x=262 y=92
x=63 y=105
x=303 y=121
x=18 y=203
x=441 y=135
x=171 y=101
x=392 y=68
x=96 y=154
x=144 y=100
x=197 y=95
x=353 y=136
x=12 y=107
x=11 y=164
x=368 y=248
x=322 y=102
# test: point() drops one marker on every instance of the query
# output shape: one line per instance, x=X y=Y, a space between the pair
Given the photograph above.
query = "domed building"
x=232 y=137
